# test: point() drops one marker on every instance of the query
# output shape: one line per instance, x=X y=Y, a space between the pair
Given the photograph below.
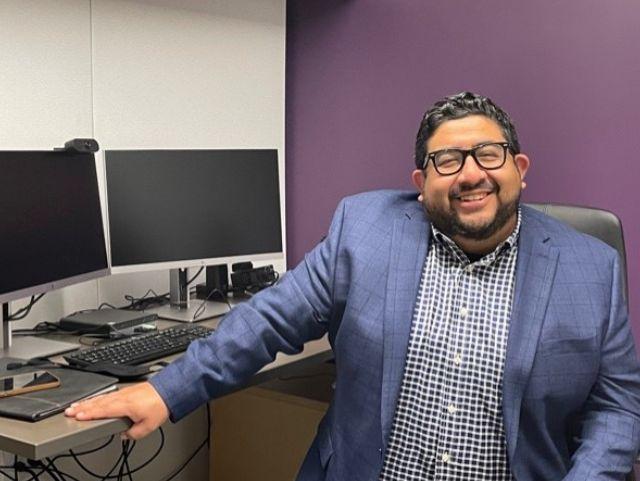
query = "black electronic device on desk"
x=247 y=279
x=73 y=385
x=123 y=358
x=106 y=321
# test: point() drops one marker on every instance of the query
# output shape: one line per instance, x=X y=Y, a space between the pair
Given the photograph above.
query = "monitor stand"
x=29 y=347
x=181 y=308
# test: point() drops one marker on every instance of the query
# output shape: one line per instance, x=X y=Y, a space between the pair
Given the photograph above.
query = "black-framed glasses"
x=489 y=156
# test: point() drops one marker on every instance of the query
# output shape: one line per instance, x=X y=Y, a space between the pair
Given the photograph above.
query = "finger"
x=74 y=407
x=140 y=430
x=100 y=408
x=83 y=406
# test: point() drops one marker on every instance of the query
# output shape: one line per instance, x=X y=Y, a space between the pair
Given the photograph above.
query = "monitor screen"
x=51 y=231
x=181 y=206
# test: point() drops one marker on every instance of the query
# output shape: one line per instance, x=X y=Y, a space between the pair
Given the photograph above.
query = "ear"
x=522 y=164
x=417 y=177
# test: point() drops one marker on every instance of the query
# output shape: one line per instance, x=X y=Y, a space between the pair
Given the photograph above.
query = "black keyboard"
x=139 y=349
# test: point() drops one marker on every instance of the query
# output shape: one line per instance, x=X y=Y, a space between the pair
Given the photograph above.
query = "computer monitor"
x=174 y=209
x=51 y=232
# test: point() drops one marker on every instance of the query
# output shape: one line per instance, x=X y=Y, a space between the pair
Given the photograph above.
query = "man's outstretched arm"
x=281 y=319
x=611 y=424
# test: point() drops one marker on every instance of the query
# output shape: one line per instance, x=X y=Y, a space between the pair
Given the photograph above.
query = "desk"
x=59 y=433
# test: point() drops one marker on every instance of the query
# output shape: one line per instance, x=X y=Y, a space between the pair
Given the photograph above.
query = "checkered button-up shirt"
x=448 y=423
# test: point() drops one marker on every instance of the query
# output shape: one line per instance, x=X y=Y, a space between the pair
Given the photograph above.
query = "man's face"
x=474 y=204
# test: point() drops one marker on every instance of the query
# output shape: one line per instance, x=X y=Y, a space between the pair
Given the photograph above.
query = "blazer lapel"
x=535 y=271
x=408 y=252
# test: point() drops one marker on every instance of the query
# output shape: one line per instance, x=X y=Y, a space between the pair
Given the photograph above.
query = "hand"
x=140 y=403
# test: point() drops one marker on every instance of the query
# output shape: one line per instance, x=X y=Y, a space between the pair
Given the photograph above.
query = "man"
x=474 y=338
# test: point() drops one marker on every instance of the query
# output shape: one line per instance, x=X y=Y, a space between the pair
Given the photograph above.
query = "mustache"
x=484 y=184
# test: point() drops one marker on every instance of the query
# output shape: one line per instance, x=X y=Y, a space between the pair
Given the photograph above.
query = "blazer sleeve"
x=279 y=319
x=611 y=424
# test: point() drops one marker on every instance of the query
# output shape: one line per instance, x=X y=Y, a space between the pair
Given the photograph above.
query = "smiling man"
x=474 y=338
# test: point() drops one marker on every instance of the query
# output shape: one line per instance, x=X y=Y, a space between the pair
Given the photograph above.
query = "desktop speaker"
x=217 y=283
x=218 y=278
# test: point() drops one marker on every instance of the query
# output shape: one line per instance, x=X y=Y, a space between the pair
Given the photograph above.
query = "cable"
x=89 y=451
x=198 y=312
x=12 y=478
x=41 y=329
x=19 y=467
x=206 y=442
x=126 y=463
x=195 y=275
x=115 y=466
x=24 y=311
x=129 y=471
x=155 y=455
x=15 y=469
x=91 y=473
x=50 y=468
x=106 y=304
x=142 y=303
x=184 y=465
x=127 y=447
x=47 y=469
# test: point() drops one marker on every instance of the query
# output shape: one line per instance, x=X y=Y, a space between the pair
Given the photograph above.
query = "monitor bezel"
x=53 y=285
x=193 y=263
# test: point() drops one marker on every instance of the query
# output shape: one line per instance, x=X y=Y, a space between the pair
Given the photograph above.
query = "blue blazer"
x=571 y=393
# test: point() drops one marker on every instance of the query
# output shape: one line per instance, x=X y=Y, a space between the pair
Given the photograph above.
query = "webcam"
x=80 y=146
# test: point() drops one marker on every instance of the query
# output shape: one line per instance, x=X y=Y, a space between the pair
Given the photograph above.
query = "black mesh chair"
x=596 y=222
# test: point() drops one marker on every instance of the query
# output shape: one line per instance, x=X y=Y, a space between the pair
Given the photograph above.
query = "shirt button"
x=469 y=269
x=463 y=312
x=457 y=359
x=451 y=408
x=445 y=457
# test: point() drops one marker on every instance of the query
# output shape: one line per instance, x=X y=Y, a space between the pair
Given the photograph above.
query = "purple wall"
x=360 y=73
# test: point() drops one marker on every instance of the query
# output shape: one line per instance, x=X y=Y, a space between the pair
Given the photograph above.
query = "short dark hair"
x=459 y=106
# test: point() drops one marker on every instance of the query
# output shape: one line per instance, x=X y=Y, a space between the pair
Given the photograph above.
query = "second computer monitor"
x=180 y=208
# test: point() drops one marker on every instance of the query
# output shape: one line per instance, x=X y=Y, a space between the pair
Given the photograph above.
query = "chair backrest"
x=599 y=223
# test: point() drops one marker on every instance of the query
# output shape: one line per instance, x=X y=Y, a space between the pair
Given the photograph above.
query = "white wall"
x=147 y=74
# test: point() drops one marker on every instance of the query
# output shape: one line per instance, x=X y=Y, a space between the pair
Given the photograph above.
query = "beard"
x=448 y=221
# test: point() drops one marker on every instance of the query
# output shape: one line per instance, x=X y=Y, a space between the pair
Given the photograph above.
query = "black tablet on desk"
x=33 y=406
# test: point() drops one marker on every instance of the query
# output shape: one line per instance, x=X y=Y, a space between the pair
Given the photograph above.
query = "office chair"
x=598 y=223
x=602 y=224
